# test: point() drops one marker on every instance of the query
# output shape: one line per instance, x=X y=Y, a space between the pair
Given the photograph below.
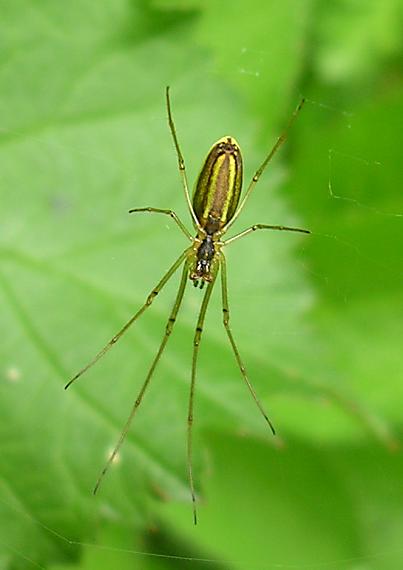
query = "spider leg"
x=196 y=344
x=264 y=227
x=118 y=335
x=281 y=139
x=225 y=309
x=170 y=213
x=181 y=161
x=168 y=330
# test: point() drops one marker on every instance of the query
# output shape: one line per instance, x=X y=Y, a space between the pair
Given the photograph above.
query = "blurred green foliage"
x=83 y=138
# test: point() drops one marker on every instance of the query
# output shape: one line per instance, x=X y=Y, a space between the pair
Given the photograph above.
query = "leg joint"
x=197 y=336
x=151 y=297
x=170 y=324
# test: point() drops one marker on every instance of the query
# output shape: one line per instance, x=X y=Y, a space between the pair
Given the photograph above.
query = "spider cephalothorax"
x=205 y=253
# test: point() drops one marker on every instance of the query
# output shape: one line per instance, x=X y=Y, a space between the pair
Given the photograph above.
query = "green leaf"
x=89 y=142
x=83 y=138
x=354 y=39
x=259 y=50
x=299 y=506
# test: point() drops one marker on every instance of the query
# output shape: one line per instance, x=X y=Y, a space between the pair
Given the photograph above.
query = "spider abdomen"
x=218 y=186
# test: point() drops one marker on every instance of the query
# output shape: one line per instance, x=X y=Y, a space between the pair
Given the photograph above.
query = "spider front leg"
x=122 y=331
x=139 y=399
x=196 y=344
x=225 y=309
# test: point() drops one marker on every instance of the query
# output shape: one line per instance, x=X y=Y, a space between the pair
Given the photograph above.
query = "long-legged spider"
x=213 y=208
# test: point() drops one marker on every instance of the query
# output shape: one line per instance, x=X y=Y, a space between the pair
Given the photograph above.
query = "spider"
x=215 y=206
